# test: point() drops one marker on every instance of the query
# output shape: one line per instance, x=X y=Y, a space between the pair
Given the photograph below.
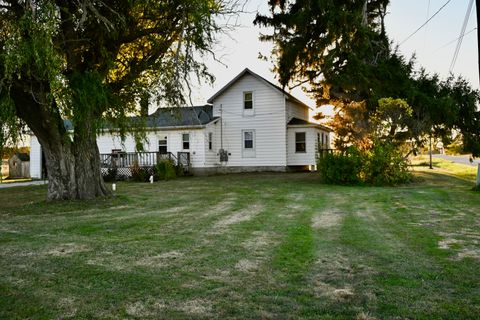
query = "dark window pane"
x=248 y=144
x=248 y=105
x=300 y=145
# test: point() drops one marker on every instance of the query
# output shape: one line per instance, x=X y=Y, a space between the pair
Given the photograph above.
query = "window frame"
x=186 y=141
x=163 y=145
x=245 y=101
x=251 y=151
x=210 y=141
x=297 y=142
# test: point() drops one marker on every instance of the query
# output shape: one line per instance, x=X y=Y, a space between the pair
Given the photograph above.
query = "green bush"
x=165 y=170
x=341 y=168
x=383 y=164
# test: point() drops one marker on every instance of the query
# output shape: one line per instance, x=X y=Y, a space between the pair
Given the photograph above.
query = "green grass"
x=273 y=246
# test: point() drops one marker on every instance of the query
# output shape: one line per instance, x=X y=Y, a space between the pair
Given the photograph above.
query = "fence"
x=120 y=164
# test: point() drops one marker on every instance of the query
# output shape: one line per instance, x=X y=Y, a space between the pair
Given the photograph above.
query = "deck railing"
x=124 y=161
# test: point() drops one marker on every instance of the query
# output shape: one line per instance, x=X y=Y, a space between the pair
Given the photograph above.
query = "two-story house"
x=249 y=125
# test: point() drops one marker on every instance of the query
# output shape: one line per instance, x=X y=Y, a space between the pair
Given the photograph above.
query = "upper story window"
x=300 y=142
x=186 y=141
x=248 y=100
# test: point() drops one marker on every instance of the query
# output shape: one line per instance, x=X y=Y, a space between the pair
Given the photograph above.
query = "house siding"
x=35 y=158
x=302 y=158
x=268 y=122
x=294 y=110
x=108 y=141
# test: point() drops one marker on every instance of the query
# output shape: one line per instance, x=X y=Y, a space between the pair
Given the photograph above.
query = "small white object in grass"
x=114 y=186
x=151 y=179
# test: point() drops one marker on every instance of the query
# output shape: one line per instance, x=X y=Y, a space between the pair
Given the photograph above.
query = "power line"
x=456 y=39
x=462 y=32
x=425 y=23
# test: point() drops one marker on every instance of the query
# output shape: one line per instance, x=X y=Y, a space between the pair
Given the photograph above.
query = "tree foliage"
x=91 y=62
x=341 y=49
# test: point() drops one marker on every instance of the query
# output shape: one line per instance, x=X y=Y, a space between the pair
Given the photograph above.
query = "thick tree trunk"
x=88 y=174
x=73 y=168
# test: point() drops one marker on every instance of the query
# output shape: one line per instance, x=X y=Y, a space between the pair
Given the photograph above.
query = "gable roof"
x=177 y=117
x=181 y=117
x=305 y=123
x=250 y=72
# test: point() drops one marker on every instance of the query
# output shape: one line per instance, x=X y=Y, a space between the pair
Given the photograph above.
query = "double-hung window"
x=186 y=141
x=162 y=145
x=248 y=143
x=300 y=142
x=248 y=100
x=248 y=140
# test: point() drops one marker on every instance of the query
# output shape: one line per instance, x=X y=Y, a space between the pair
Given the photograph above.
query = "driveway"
x=458 y=159
x=21 y=184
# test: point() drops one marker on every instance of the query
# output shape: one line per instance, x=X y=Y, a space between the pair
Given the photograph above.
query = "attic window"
x=248 y=100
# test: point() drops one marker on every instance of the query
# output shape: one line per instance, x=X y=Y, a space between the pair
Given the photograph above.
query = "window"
x=210 y=141
x=248 y=140
x=300 y=144
x=162 y=145
x=186 y=141
x=248 y=100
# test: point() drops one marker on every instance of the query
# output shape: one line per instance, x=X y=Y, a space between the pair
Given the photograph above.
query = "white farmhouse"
x=249 y=125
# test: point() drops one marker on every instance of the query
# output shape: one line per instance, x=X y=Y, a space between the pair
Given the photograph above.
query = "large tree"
x=91 y=61
x=341 y=49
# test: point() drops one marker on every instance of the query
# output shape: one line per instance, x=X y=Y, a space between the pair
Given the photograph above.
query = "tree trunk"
x=88 y=174
x=73 y=168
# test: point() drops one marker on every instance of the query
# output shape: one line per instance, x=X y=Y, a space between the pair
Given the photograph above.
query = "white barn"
x=249 y=125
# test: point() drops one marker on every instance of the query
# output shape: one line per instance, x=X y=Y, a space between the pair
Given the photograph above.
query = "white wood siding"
x=35 y=158
x=268 y=122
x=294 y=110
x=302 y=158
x=108 y=141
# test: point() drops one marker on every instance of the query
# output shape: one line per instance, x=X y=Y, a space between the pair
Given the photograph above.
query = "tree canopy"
x=341 y=49
x=92 y=61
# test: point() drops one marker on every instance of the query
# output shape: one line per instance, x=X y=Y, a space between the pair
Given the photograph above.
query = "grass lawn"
x=273 y=246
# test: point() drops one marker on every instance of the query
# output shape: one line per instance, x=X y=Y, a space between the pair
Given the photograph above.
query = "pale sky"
x=434 y=45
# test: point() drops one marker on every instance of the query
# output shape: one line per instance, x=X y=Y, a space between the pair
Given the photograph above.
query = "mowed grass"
x=271 y=246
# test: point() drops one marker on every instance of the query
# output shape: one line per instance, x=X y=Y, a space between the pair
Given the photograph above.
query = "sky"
x=433 y=46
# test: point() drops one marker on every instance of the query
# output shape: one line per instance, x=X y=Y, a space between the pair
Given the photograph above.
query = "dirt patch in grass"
x=68 y=307
x=141 y=309
x=247 y=265
x=465 y=243
x=161 y=260
x=237 y=217
x=196 y=307
x=326 y=219
x=67 y=249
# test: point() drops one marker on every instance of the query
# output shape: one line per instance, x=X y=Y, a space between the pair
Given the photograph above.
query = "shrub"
x=139 y=174
x=110 y=175
x=383 y=164
x=341 y=168
x=165 y=170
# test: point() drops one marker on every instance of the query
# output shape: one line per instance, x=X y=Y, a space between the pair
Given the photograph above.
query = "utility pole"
x=431 y=167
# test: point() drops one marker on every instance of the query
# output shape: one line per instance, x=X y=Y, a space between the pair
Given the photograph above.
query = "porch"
x=123 y=162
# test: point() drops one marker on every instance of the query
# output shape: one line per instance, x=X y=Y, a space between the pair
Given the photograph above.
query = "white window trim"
x=189 y=141
x=248 y=112
x=305 y=142
x=247 y=152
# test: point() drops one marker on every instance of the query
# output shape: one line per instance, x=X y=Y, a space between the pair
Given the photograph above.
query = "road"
x=465 y=159
x=22 y=184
